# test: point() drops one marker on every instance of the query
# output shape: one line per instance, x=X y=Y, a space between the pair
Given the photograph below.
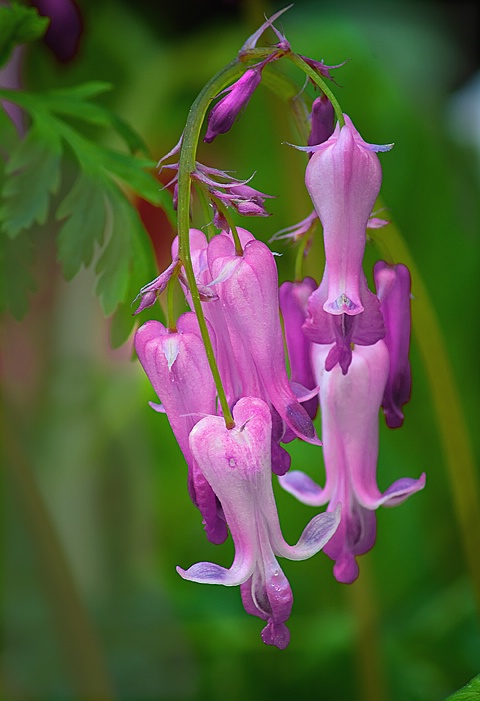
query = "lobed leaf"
x=19 y=24
x=33 y=174
x=84 y=211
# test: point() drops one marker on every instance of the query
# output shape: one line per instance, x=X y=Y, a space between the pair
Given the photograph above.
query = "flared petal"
x=316 y=535
x=304 y=488
x=397 y=493
x=209 y=573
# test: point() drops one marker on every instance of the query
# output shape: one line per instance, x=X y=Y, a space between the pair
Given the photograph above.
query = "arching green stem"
x=313 y=75
x=187 y=164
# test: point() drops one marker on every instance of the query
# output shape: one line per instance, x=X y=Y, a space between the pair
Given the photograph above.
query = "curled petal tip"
x=301 y=423
x=207 y=573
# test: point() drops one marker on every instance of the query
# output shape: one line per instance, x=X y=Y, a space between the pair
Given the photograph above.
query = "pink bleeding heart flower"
x=393 y=285
x=177 y=366
x=235 y=363
x=343 y=178
x=237 y=463
x=247 y=287
x=350 y=405
x=293 y=298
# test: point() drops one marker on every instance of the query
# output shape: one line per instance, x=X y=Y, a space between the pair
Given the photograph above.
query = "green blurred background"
x=111 y=480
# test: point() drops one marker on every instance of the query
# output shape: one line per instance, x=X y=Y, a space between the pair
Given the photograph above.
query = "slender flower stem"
x=186 y=167
x=450 y=416
x=231 y=225
x=171 y=320
x=321 y=84
x=207 y=213
x=300 y=257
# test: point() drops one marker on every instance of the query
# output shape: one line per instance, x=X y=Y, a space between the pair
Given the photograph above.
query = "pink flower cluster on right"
x=356 y=344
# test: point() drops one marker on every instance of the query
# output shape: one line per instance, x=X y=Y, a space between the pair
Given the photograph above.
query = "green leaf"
x=84 y=210
x=19 y=24
x=94 y=203
x=470 y=692
x=16 y=282
x=76 y=102
x=142 y=269
x=8 y=133
x=33 y=172
x=113 y=267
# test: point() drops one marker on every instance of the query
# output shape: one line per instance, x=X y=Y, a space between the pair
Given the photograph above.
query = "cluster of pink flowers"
x=348 y=354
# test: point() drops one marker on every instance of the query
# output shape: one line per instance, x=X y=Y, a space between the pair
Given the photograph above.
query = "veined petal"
x=398 y=492
x=209 y=573
x=316 y=535
x=303 y=488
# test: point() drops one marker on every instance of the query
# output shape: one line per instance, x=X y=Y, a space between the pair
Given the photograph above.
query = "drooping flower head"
x=177 y=366
x=247 y=287
x=350 y=404
x=237 y=464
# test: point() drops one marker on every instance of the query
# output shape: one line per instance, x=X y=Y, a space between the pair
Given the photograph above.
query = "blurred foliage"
x=107 y=468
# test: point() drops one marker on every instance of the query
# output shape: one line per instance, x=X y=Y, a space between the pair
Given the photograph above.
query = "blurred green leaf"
x=94 y=203
x=19 y=24
x=33 y=174
x=84 y=211
x=16 y=280
x=114 y=263
x=470 y=692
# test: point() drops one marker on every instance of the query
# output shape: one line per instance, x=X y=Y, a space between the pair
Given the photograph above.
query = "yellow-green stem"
x=449 y=412
x=300 y=257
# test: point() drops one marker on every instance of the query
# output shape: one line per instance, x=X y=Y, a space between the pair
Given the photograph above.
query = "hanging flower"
x=237 y=464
